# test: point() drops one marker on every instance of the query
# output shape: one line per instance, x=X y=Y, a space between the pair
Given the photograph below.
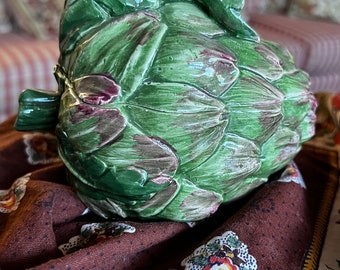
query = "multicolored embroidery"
x=93 y=233
x=292 y=174
x=10 y=198
x=41 y=148
x=221 y=252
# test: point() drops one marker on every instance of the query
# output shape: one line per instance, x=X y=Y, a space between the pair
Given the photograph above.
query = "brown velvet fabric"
x=276 y=222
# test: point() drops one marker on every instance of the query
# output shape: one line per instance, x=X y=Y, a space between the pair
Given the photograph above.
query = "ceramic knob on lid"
x=168 y=109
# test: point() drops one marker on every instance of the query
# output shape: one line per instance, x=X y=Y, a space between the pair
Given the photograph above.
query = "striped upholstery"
x=24 y=63
x=315 y=46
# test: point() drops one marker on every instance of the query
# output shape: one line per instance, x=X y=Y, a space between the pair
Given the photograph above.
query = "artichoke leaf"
x=159 y=201
x=306 y=129
x=279 y=150
x=139 y=33
x=234 y=159
x=174 y=98
x=127 y=186
x=254 y=107
x=82 y=17
x=73 y=27
x=300 y=104
x=282 y=53
x=96 y=89
x=239 y=189
x=89 y=128
x=131 y=183
x=203 y=141
x=197 y=120
x=201 y=62
x=103 y=207
x=106 y=180
x=136 y=69
x=189 y=17
x=255 y=57
x=158 y=157
x=139 y=187
x=150 y=156
x=193 y=136
x=297 y=97
x=192 y=203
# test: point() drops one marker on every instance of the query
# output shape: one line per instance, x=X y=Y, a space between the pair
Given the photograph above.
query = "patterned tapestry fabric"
x=326 y=162
x=323 y=253
x=314 y=45
x=330 y=256
x=315 y=9
x=37 y=18
x=327 y=134
x=5 y=24
x=44 y=225
x=265 y=6
x=24 y=63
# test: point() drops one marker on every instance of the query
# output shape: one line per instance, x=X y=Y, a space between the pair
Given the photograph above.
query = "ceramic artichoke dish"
x=167 y=109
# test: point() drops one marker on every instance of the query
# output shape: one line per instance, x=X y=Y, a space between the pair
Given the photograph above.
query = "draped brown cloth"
x=281 y=225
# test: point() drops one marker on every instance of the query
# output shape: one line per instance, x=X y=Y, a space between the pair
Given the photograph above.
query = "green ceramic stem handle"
x=38 y=110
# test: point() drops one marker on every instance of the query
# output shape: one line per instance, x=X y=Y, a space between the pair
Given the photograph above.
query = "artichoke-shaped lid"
x=168 y=109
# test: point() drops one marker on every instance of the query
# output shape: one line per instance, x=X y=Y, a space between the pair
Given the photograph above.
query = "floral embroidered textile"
x=292 y=174
x=315 y=9
x=41 y=148
x=10 y=198
x=38 y=18
x=93 y=233
x=222 y=252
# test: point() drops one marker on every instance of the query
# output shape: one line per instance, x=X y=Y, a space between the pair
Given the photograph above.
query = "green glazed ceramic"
x=168 y=109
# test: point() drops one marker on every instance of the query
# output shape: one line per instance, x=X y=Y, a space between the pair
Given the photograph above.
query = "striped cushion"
x=326 y=82
x=315 y=45
x=24 y=63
